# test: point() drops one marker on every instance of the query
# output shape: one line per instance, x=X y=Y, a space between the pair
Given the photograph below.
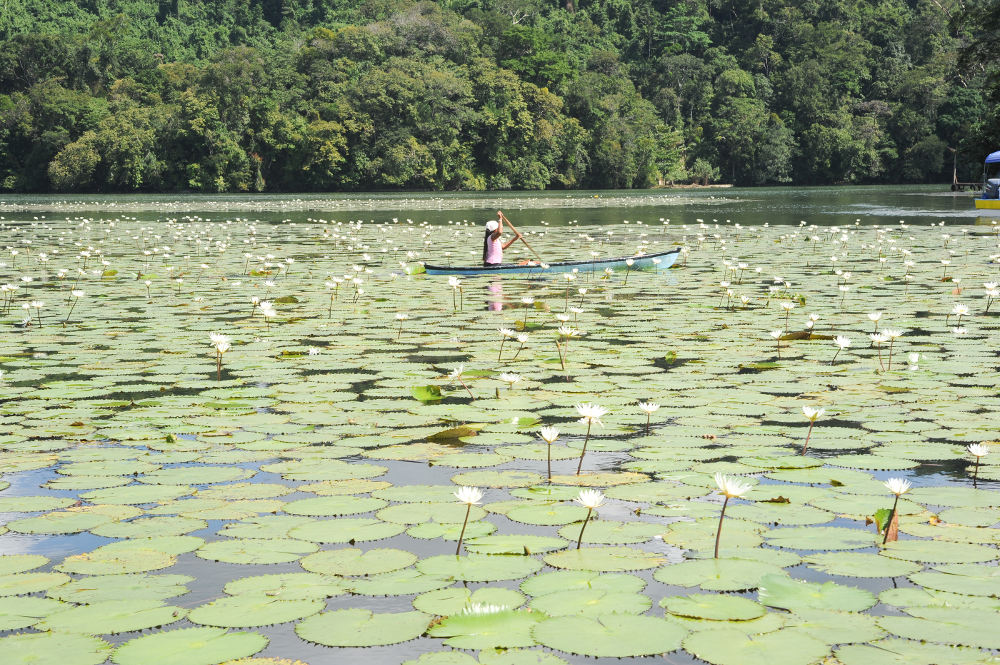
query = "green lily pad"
x=398 y=583
x=505 y=628
x=288 y=586
x=453 y=531
x=854 y=564
x=728 y=646
x=479 y=567
x=113 y=616
x=18 y=612
x=785 y=592
x=349 y=561
x=547 y=514
x=604 y=559
x=446 y=602
x=53 y=649
x=717 y=574
x=936 y=551
x=417 y=513
x=18 y=563
x=149 y=527
x=104 y=562
x=188 y=646
x=138 y=586
x=609 y=532
x=610 y=636
x=333 y=506
x=514 y=544
x=718 y=607
x=255 y=550
x=578 y=580
x=836 y=627
x=820 y=538
x=248 y=610
x=908 y=652
x=947 y=625
x=361 y=628
x=591 y=603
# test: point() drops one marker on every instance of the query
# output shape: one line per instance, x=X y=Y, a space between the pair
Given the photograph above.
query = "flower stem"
x=584 y=451
x=580 y=539
x=892 y=516
x=718 y=532
x=461 y=536
x=975 y=472
x=218 y=366
x=805 y=446
x=548 y=461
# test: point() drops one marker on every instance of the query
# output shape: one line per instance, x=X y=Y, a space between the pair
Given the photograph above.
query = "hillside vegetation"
x=325 y=95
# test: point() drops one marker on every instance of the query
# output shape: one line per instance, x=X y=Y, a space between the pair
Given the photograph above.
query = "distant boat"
x=990 y=198
x=660 y=261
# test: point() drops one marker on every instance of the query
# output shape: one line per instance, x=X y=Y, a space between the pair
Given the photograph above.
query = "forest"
x=338 y=95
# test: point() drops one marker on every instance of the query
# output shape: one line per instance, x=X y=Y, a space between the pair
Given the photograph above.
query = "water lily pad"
x=518 y=657
x=718 y=607
x=728 y=646
x=724 y=574
x=514 y=544
x=591 y=603
x=18 y=563
x=361 y=628
x=417 y=513
x=854 y=564
x=947 y=625
x=113 y=616
x=399 y=583
x=195 y=475
x=821 y=538
x=784 y=592
x=333 y=505
x=446 y=602
x=908 y=652
x=497 y=479
x=836 y=627
x=604 y=559
x=104 y=562
x=53 y=649
x=256 y=550
x=148 y=527
x=346 y=530
x=18 y=612
x=249 y=609
x=610 y=636
x=350 y=561
x=479 y=567
x=452 y=531
x=935 y=551
x=138 y=494
x=610 y=532
x=577 y=580
x=505 y=628
x=188 y=646
x=139 y=586
x=547 y=514
x=288 y=586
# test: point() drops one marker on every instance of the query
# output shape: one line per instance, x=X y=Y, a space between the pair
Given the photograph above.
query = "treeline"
x=324 y=95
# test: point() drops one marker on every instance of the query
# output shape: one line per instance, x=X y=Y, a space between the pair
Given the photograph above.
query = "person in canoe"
x=493 y=244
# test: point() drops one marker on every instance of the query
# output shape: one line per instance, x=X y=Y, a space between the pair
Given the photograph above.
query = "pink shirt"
x=494 y=250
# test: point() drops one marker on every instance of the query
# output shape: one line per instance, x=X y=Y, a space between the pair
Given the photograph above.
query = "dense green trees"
x=285 y=95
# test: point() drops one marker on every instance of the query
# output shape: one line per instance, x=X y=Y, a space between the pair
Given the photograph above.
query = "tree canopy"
x=332 y=95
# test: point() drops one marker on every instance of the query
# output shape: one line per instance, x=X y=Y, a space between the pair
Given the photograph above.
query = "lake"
x=288 y=492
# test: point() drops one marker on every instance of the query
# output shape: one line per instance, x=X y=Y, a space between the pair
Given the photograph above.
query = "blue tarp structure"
x=993 y=157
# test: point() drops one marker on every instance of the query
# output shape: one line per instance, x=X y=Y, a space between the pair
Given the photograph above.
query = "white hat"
x=492 y=225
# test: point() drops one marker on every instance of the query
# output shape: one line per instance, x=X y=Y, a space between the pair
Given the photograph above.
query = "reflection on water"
x=494 y=299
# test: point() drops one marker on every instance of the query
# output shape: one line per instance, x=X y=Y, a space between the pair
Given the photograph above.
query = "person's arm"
x=510 y=242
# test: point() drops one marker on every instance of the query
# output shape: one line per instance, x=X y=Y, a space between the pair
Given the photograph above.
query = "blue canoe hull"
x=660 y=261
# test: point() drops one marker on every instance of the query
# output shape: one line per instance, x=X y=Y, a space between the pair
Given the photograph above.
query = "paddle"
x=518 y=234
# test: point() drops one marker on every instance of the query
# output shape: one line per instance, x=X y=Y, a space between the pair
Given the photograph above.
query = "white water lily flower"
x=892 y=334
x=402 y=316
x=591 y=413
x=731 y=486
x=842 y=341
x=874 y=316
x=787 y=306
x=569 y=332
x=506 y=332
x=590 y=499
x=549 y=434
x=878 y=338
x=960 y=310
x=313 y=351
x=978 y=449
x=898 y=486
x=648 y=407
x=510 y=378
x=457 y=372
x=76 y=293
x=776 y=334
x=959 y=331
x=218 y=337
x=478 y=609
x=469 y=495
x=812 y=415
